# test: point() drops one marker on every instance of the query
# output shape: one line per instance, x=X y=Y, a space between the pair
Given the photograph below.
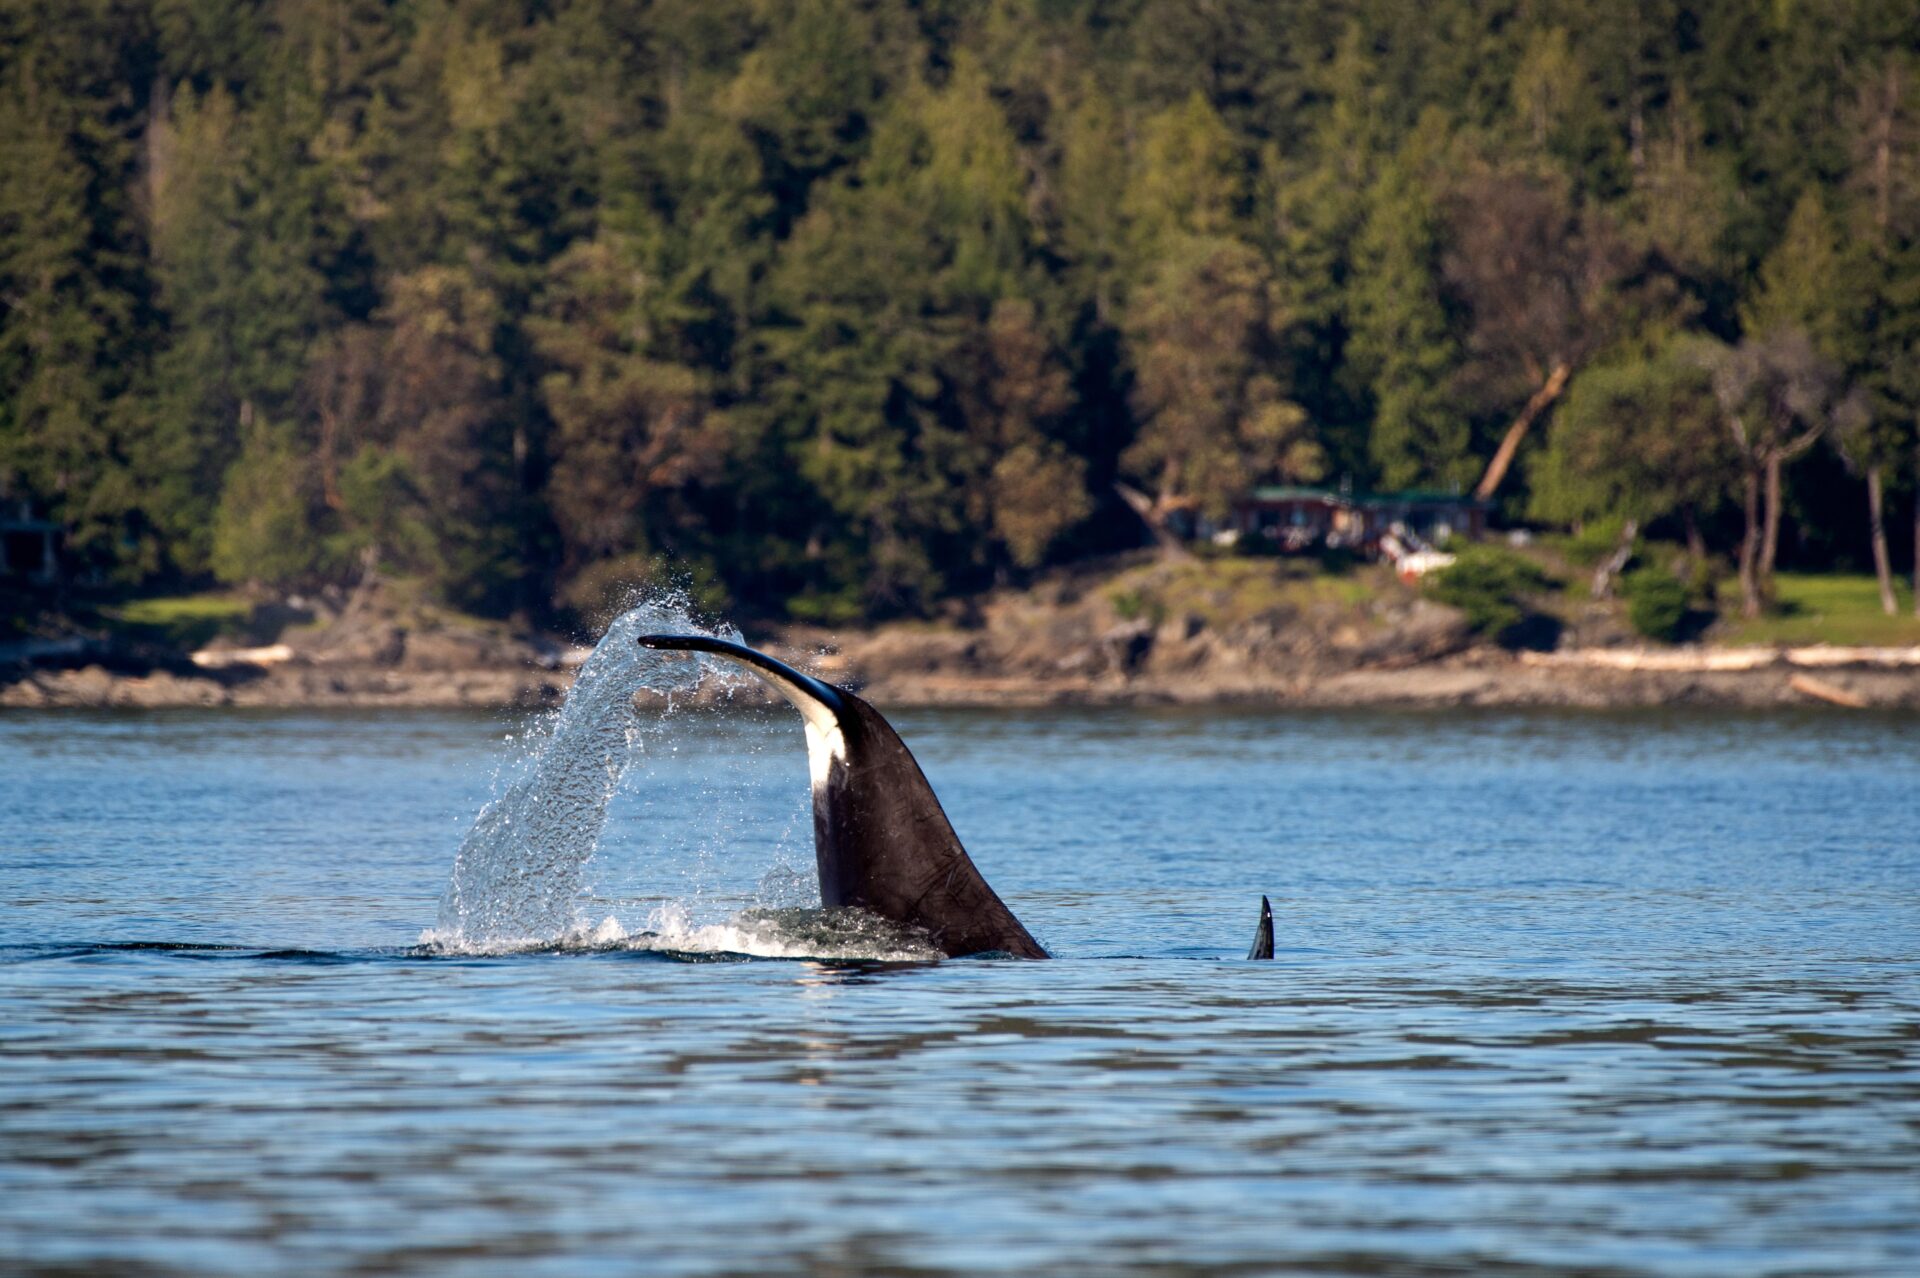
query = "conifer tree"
x=1402 y=349
x=1185 y=181
x=73 y=306
x=58 y=445
x=1803 y=284
x=384 y=278
x=631 y=425
x=234 y=246
x=890 y=287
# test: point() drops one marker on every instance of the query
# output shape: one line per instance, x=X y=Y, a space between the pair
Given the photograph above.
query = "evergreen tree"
x=1314 y=202
x=1803 y=284
x=58 y=439
x=234 y=248
x=1215 y=421
x=1402 y=348
x=73 y=306
x=887 y=291
x=1185 y=181
x=835 y=295
x=631 y=425
x=806 y=96
x=1092 y=191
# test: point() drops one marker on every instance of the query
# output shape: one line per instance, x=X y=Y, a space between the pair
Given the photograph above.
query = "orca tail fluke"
x=1263 y=935
x=881 y=840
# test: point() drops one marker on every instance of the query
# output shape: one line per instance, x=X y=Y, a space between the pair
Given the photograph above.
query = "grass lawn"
x=1232 y=589
x=1821 y=609
x=182 y=621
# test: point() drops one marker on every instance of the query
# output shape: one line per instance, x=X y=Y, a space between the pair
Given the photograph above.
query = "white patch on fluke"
x=825 y=745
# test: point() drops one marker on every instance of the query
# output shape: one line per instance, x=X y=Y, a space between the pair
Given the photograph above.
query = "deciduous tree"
x=1537 y=276
x=1777 y=397
x=1640 y=438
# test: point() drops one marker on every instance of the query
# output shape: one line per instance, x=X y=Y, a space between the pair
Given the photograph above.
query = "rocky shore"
x=1479 y=677
x=1106 y=641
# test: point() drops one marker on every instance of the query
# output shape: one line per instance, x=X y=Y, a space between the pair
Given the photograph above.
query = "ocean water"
x=1584 y=994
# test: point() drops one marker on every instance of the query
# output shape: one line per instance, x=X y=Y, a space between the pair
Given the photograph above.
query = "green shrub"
x=1490 y=585
x=827 y=607
x=1656 y=602
x=1596 y=539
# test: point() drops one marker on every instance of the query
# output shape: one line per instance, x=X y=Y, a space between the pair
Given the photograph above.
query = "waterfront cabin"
x=1294 y=518
x=1434 y=517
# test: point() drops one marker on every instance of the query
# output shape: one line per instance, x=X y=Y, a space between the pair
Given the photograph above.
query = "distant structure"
x=1299 y=519
x=1405 y=528
x=29 y=547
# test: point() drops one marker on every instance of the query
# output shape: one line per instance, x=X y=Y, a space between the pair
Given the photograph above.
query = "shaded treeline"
x=844 y=306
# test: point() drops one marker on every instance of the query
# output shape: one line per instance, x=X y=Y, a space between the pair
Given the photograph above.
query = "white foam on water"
x=791 y=933
x=519 y=880
x=757 y=932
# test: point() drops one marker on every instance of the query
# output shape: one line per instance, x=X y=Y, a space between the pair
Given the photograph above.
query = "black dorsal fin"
x=1263 y=935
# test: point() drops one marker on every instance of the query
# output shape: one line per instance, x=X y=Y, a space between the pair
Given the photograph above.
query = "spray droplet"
x=521 y=872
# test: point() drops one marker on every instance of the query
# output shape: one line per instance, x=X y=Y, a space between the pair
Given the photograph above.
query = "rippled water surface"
x=1599 y=995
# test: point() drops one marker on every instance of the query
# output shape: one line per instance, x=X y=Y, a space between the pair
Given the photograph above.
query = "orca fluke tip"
x=671 y=643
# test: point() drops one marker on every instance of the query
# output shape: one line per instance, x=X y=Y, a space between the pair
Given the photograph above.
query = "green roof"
x=1425 y=496
x=1293 y=492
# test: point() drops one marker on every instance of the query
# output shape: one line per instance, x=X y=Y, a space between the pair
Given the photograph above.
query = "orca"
x=1263 y=934
x=880 y=838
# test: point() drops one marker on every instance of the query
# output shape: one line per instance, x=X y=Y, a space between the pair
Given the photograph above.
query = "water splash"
x=520 y=883
x=521 y=873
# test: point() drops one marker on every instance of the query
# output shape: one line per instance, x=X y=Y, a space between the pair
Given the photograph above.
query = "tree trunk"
x=523 y=539
x=1770 y=534
x=1150 y=515
x=1883 y=149
x=1615 y=563
x=330 y=460
x=1536 y=404
x=1699 y=570
x=1882 y=562
x=1916 y=531
x=1696 y=544
x=1750 y=547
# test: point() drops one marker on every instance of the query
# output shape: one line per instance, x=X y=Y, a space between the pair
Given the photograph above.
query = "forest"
x=840 y=308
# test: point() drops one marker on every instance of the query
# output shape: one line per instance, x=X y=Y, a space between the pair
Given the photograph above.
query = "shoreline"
x=1733 y=679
